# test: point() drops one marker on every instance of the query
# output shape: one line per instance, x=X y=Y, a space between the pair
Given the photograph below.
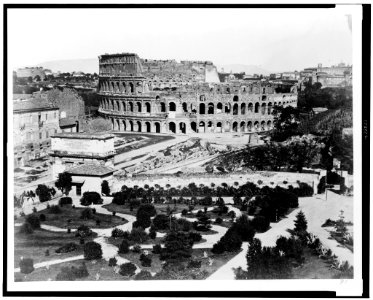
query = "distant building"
x=31 y=72
x=34 y=121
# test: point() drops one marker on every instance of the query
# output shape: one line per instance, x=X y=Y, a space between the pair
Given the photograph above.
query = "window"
x=40 y=135
x=46 y=116
x=78 y=190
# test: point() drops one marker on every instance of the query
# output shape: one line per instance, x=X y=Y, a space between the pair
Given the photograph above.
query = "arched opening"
x=249 y=126
x=201 y=127
x=193 y=108
x=77 y=126
x=118 y=87
x=219 y=127
x=131 y=125
x=138 y=106
x=242 y=126
x=264 y=108
x=193 y=125
x=234 y=127
x=124 y=125
x=227 y=108
x=147 y=125
x=123 y=89
x=227 y=127
x=256 y=107
x=219 y=107
x=269 y=125
x=163 y=107
x=172 y=106
x=228 y=90
x=112 y=87
x=202 y=108
x=132 y=90
x=263 y=125
x=243 y=108
x=185 y=107
x=256 y=126
x=235 y=98
x=118 y=106
x=112 y=124
x=147 y=107
x=172 y=127
x=210 y=126
x=139 y=125
x=182 y=127
x=157 y=98
x=269 y=108
x=250 y=107
x=157 y=127
x=210 y=109
x=131 y=106
x=235 y=109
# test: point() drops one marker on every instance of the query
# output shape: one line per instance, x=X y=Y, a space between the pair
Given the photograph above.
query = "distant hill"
x=248 y=69
x=86 y=65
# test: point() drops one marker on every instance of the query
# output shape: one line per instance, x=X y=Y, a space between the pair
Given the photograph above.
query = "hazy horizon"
x=272 y=39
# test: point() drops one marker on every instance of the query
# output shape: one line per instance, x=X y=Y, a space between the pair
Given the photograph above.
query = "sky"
x=273 y=39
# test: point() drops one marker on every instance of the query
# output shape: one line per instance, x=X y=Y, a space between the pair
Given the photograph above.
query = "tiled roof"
x=90 y=169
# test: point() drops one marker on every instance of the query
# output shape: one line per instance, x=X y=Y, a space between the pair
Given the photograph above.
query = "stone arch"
x=227 y=127
x=242 y=126
x=157 y=127
x=117 y=87
x=123 y=87
x=193 y=126
x=124 y=106
x=147 y=107
x=124 y=125
x=147 y=127
x=263 y=125
x=269 y=124
x=249 y=126
x=269 y=108
x=227 y=108
x=138 y=106
x=193 y=108
x=210 y=108
x=235 y=109
x=139 y=87
x=264 y=106
x=117 y=125
x=112 y=88
x=256 y=126
x=210 y=126
x=171 y=106
x=256 y=108
x=172 y=127
x=185 y=107
x=139 y=126
x=112 y=124
x=202 y=108
x=219 y=127
x=235 y=98
x=131 y=127
x=250 y=107
x=219 y=107
x=235 y=127
x=131 y=106
x=182 y=127
x=131 y=88
x=243 y=108
x=163 y=107
x=118 y=105
x=201 y=126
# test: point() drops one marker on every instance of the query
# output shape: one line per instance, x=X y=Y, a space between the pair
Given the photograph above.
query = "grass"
x=34 y=245
x=67 y=212
x=107 y=273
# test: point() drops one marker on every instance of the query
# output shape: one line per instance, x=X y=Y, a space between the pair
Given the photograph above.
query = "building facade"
x=132 y=102
x=34 y=122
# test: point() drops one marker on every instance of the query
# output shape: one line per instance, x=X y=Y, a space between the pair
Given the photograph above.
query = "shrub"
x=161 y=222
x=94 y=211
x=184 y=212
x=143 y=275
x=124 y=247
x=34 y=221
x=260 y=223
x=199 y=214
x=26 y=228
x=218 y=220
x=83 y=231
x=143 y=215
x=182 y=224
x=92 y=250
x=86 y=214
x=90 y=198
x=42 y=217
x=178 y=245
x=157 y=249
x=105 y=189
x=26 y=265
x=146 y=261
x=81 y=241
x=34 y=210
x=152 y=234
x=43 y=192
x=136 y=249
x=47 y=252
x=65 y=200
x=54 y=209
x=69 y=247
x=138 y=235
x=195 y=236
x=72 y=273
x=127 y=269
x=230 y=242
x=260 y=182
x=194 y=264
x=119 y=233
x=112 y=262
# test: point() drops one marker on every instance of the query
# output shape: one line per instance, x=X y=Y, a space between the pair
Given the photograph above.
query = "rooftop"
x=90 y=169
x=83 y=135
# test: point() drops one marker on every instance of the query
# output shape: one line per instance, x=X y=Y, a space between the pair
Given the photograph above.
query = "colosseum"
x=165 y=96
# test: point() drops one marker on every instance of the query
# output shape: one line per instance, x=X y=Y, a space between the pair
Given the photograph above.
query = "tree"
x=285 y=123
x=64 y=183
x=340 y=226
x=105 y=189
x=178 y=246
x=302 y=152
x=43 y=192
x=99 y=125
x=90 y=198
x=67 y=98
x=300 y=223
x=124 y=247
x=92 y=250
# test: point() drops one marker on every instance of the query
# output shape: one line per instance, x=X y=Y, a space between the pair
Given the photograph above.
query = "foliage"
x=218 y=220
x=194 y=264
x=157 y=249
x=42 y=217
x=143 y=215
x=146 y=261
x=119 y=233
x=33 y=220
x=72 y=273
x=300 y=224
x=340 y=226
x=203 y=223
x=260 y=223
x=54 y=209
x=124 y=247
x=65 y=200
x=178 y=245
x=44 y=193
x=26 y=228
x=105 y=189
x=86 y=214
x=26 y=265
x=64 y=182
x=83 y=231
x=127 y=269
x=92 y=250
x=90 y=198
x=138 y=235
x=161 y=222
x=230 y=241
x=143 y=275
x=243 y=228
x=69 y=247
x=195 y=236
x=112 y=262
x=285 y=122
x=99 y=125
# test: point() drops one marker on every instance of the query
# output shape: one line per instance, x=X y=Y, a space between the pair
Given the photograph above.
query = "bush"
x=119 y=198
x=94 y=211
x=33 y=220
x=26 y=265
x=157 y=249
x=90 y=198
x=230 y=242
x=26 y=228
x=152 y=234
x=86 y=214
x=124 y=247
x=184 y=212
x=195 y=264
x=138 y=235
x=136 y=249
x=127 y=269
x=146 y=261
x=65 y=200
x=161 y=222
x=260 y=223
x=47 y=252
x=143 y=275
x=83 y=231
x=244 y=228
x=304 y=190
x=54 y=209
x=69 y=247
x=105 y=189
x=199 y=213
x=218 y=220
x=42 y=217
x=44 y=193
x=143 y=215
x=119 y=233
x=195 y=236
x=112 y=262
x=34 y=210
x=92 y=250
x=72 y=273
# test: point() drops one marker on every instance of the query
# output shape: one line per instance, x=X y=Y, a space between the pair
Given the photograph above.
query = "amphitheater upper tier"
x=169 y=97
